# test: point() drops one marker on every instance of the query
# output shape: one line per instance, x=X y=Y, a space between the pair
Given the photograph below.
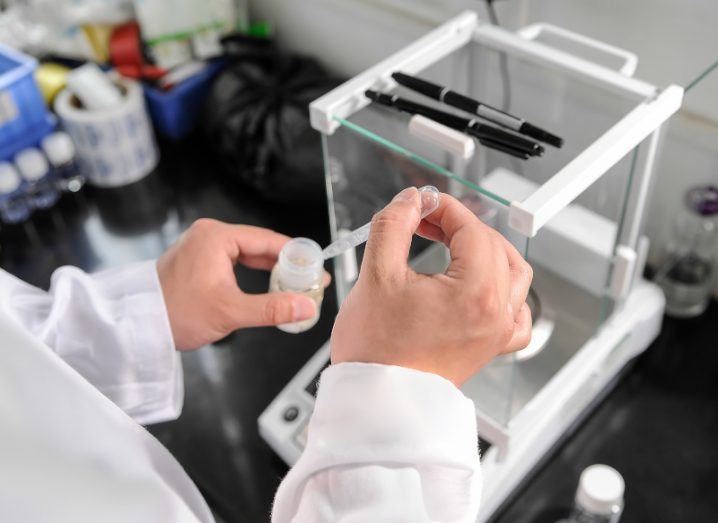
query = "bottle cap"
x=600 y=489
x=300 y=264
x=32 y=164
x=9 y=178
x=58 y=148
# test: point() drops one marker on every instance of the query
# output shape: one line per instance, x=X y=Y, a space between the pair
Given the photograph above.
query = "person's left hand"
x=204 y=302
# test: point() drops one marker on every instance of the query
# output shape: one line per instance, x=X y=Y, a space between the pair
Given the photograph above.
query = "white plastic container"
x=60 y=150
x=300 y=269
x=40 y=187
x=115 y=145
x=599 y=497
x=14 y=207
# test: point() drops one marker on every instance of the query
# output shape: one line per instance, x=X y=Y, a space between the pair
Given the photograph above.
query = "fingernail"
x=303 y=309
x=405 y=195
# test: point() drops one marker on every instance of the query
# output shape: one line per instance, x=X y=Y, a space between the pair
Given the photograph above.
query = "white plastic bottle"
x=14 y=207
x=599 y=497
x=40 y=188
x=60 y=150
x=300 y=269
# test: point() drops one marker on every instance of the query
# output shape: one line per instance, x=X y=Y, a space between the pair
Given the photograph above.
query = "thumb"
x=274 y=308
x=392 y=229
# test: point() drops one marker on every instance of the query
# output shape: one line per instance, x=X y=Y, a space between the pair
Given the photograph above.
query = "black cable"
x=505 y=77
x=503 y=60
x=492 y=12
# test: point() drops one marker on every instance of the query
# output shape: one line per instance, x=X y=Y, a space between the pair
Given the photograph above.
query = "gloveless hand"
x=203 y=300
x=450 y=324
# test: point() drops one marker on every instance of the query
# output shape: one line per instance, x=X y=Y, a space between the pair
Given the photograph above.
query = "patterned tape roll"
x=115 y=146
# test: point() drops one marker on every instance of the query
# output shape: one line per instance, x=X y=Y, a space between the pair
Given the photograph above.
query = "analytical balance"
x=575 y=214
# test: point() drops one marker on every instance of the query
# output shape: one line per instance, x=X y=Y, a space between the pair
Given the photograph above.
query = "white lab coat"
x=77 y=364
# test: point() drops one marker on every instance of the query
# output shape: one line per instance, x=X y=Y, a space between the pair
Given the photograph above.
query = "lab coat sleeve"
x=385 y=444
x=112 y=328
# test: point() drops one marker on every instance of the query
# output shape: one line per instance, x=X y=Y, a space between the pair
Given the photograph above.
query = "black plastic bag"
x=257 y=120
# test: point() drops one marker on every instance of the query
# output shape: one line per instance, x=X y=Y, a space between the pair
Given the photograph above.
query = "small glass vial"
x=14 y=207
x=40 y=187
x=687 y=275
x=60 y=150
x=599 y=497
x=300 y=269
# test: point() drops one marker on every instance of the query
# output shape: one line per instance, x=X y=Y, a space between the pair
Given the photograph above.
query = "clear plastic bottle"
x=40 y=187
x=60 y=150
x=599 y=497
x=687 y=274
x=300 y=269
x=14 y=207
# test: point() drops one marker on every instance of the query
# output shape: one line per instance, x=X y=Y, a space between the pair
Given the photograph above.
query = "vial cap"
x=32 y=164
x=600 y=489
x=300 y=263
x=58 y=148
x=9 y=178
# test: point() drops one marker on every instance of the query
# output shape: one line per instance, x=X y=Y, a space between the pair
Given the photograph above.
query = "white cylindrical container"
x=300 y=269
x=14 y=207
x=599 y=497
x=40 y=187
x=115 y=145
x=60 y=150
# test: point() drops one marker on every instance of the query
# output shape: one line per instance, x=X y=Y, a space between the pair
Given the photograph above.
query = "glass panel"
x=372 y=155
x=572 y=259
x=363 y=172
x=577 y=110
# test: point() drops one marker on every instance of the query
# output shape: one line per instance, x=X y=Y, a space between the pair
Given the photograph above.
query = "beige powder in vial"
x=300 y=269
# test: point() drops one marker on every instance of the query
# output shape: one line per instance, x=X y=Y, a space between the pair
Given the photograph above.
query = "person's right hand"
x=450 y=324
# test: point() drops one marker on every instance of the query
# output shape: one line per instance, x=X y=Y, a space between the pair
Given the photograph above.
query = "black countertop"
x=659 y=427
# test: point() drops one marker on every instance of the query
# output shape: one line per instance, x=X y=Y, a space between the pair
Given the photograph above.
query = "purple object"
x=174 y=112
x=703 y=200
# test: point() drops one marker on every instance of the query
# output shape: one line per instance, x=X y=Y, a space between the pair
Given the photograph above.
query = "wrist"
x=393 y=408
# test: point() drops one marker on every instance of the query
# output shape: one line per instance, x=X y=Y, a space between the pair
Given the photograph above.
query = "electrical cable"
x=505 y=77
x=503 y=60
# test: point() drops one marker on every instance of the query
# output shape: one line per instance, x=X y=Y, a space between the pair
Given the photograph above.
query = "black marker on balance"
x=487 y=135
x=449 y=97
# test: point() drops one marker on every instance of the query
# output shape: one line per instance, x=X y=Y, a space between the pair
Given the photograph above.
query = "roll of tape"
x=115 y=146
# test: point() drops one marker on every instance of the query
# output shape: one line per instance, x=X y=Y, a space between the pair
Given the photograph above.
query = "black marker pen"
x=487 y=135
x=449 y=97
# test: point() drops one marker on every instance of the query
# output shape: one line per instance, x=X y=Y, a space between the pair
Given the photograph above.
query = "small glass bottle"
x=14 y=207
x=687 y=275
x=300 y=269
x=40 y=187
x=60 y=150
x=599 y=497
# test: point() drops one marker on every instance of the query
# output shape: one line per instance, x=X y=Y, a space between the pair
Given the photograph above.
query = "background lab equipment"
x=575 y=213
x=223 y=166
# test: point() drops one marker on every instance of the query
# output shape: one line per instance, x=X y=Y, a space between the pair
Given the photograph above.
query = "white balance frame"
x=520 y=445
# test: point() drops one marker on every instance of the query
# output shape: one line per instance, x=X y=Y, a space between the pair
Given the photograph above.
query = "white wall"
x=674 y=39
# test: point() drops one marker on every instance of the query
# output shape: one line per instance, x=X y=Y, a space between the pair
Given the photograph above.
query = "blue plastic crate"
x=24 y=118
x=174 y=112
